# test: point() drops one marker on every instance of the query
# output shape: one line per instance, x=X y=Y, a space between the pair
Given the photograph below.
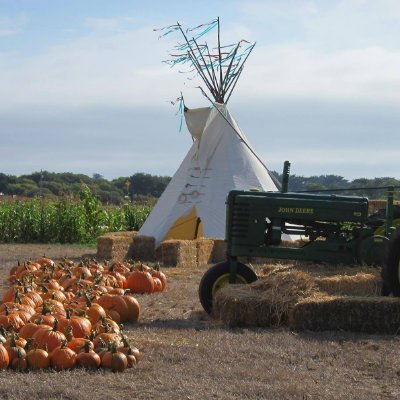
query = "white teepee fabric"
x=220 y=159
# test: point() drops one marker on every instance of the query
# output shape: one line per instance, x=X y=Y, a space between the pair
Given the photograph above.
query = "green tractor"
x=338 y=230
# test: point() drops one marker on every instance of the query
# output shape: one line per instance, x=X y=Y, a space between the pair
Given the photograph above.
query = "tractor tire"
x=391 y=268
x=217 y=277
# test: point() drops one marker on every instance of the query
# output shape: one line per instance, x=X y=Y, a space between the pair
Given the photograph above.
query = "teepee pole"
x=228 y=71
x=205 y=64
x=236 y=78
x=196 y=62
x=210 y=57
x=220 y=91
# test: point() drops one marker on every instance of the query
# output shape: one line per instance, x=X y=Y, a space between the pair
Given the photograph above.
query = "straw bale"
x=115 y=245
x=375 y=205
x=177 y=253
x=218 y=251
x=266 y=302
x=204 y=252
x=349 y=313
x=131 y=234
x=143 y=248
x=360 y=284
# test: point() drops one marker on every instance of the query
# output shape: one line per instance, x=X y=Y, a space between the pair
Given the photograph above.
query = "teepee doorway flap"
x=186 y=227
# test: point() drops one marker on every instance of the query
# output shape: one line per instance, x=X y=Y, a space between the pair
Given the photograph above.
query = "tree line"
x=146 y=187
x=51 y=185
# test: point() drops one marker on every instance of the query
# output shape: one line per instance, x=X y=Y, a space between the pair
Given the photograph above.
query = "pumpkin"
x=140 y=282
x=44 y=261
x=114 y=360
x=81 y=326
x=107 y=338
x=127 y=349
x=62 y=357
x=19 y=362
x=14 y=350
x=156 y=273
x=106 y=325
x=115 y=303
x=4 y=359
x=133 y=308
x=49 y=337
x=11 y=319
x=19 y=341
x=88 y=358
x=157 y=284
x=38 y=358
x=28 y=330
x=79 y=344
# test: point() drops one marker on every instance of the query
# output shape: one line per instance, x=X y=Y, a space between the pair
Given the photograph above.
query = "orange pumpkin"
x=88 y=358
x=38 y=358
x=140 y=282
x=62 y=357
x=49 y=337
x=4 y=359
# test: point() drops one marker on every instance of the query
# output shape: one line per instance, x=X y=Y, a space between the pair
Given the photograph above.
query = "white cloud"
x=117 y=24
x=326 y=25
x=114 y=65
x=11 y=26
x=121 y=68
x=295 y=72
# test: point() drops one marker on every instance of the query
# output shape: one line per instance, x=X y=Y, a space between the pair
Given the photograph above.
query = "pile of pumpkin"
x=65 y=315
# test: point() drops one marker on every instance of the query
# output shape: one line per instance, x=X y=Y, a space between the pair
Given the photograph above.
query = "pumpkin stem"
x=55 y=325
x=68 y=333
x=43 y=288
x=29 y=344
x=87 y=347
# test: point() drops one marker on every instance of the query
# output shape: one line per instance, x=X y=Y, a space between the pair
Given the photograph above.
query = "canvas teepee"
x=220 y=159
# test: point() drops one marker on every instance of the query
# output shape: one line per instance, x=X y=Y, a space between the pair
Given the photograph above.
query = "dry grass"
x=186 y=355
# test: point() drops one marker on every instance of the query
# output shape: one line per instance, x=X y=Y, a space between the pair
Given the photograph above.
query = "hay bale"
x=360 y=284
x=115 y=246
x=204 y=252
x=219 y=251
x=177 y=253
x=356 y=314
x=375 y=205
x=266 y=302
x=143 y=248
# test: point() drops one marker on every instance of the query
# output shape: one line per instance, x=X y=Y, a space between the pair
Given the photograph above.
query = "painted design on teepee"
x=221 y=158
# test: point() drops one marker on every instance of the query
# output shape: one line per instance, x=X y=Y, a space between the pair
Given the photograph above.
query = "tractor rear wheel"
x=217 y=277
x=391 y=268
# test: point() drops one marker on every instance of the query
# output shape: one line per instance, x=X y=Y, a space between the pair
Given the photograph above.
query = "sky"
x=84 y=89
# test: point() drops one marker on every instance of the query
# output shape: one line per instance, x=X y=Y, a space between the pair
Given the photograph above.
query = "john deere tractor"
x=335 y=229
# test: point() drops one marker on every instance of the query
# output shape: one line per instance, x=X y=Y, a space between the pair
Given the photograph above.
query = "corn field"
x=66 y=220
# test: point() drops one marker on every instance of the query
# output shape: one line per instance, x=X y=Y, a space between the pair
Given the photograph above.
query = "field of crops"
x=66 y=220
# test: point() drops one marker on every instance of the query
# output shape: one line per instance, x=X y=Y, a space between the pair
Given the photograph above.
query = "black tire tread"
x=390 y=270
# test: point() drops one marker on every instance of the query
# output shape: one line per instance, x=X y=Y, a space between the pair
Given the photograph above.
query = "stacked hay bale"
x=204 y=254
x=286 y=296
x=143 y=248
x=347 y=313
x=266 y=302
x=191 y=253
x=115 y=246
x=360 y=284
x=177 y=253
x=121 y=246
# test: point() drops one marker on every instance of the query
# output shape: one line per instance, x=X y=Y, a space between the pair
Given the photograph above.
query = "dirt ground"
x=187 y=355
